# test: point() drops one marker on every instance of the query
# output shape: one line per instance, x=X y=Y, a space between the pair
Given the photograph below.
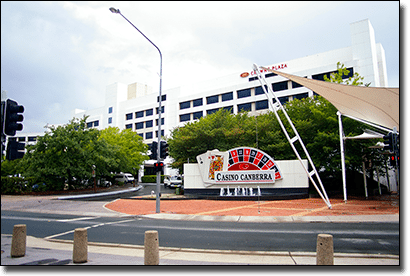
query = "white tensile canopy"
x=376 y=106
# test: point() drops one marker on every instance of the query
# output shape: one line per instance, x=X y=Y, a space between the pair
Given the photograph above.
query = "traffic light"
x=163 y=150
x=388 y=141
x=15 y=150
x=392 y=161
x=154 y=147
x=158 y=166
x=12 y=117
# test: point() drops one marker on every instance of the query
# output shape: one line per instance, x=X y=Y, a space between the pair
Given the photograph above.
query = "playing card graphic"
x=216 y=164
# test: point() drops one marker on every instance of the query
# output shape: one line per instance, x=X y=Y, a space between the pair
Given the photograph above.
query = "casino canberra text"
x=245 y=176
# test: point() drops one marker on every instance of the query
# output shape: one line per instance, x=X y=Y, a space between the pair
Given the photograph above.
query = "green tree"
x=342 y=71
x=131 y=151
x=67 y=154
x=223 y=131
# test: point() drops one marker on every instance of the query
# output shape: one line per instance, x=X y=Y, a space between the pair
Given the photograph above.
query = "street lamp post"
x=113 y=10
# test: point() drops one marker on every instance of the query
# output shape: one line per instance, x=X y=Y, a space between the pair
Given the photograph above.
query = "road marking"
x=89 y=227
x=75 y=219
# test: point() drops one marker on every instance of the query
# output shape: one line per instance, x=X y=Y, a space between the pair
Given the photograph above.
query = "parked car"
x=124 y=177
x=39 y=187
x=173 y=181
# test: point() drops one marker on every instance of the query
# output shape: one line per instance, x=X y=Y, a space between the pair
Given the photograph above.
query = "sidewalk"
x=40 y=251
x=382 y=209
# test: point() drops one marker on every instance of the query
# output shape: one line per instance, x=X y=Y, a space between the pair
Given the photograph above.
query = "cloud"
x=58 y=56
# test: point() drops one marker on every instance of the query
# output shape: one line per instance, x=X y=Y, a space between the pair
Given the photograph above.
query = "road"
x=372 y=238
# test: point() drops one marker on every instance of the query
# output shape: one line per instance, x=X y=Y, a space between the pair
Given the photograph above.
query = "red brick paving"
x=296 y=207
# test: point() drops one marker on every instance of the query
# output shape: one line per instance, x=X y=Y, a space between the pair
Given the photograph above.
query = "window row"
x=244 y=93
x=149 y=135
x=23 y=139
x=147 y=124
x=259 y=105
x=93 y=124
x=140 y=114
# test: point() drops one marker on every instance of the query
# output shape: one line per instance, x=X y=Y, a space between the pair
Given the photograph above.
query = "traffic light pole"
x=158 y=190
x=395 y=152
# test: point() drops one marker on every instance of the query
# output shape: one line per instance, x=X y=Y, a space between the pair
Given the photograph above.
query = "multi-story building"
x=135 y=106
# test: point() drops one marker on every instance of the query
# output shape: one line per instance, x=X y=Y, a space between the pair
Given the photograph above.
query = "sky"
x=59 y=56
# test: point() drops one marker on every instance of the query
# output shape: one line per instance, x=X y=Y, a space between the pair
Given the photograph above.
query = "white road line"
x=75 y=219
x=92 y=226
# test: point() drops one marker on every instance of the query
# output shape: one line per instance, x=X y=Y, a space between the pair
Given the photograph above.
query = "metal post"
x=364 y=179
x=342 y=153
x=158 y=188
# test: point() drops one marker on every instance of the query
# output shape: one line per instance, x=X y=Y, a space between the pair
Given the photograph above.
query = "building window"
x=96 y=123
x=110 y=110
x=162 y=122
x=244 y=107
x=148 y=135
x=184 y=117
x=321 y=76
x=284 y=100
x=148 y=123
x=197 y=102
x=162 y=109
x=32 y=139
x=149 y=112
x=279 y=86
x=141 y=134
x=197 y=115
x=227 y=96
x=295 y=85
x=300 y=96
x=139 y=125
x=139 y=114
x=128 y=116
x=259 y=90
x=261 y=105
x=21 y=139
x=163 y=98
x=212 y=99
x=90 y=124
x=110 y=120
x=244 y=93
x=129 y=126
x=185 y=105
x=211 y=111
x=229 y=108
x=162 y=133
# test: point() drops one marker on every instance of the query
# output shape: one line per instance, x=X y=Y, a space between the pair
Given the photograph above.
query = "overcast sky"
x=58 y=56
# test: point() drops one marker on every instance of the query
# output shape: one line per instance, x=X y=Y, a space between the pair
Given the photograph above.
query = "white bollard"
x=80 y=247
x=151 y=248
x=18 y=241
x=324 y=250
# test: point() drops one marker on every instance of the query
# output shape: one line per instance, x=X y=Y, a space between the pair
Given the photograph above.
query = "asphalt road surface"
x=371 y=238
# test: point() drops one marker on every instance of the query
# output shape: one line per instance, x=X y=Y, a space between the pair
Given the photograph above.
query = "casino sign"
x=242 y=165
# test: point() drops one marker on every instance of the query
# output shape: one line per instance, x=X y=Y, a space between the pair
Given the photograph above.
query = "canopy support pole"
x=278 y=106
x=342 y=153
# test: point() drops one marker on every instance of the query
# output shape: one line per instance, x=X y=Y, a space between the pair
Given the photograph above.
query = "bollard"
x=18 y=241
x=80 y=248
x=151 y=248
x=324 y=249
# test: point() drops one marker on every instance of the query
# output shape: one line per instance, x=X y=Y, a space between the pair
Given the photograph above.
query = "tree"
x=67 y=154
x=131 y=151
x=223 y=131
x=342 y=71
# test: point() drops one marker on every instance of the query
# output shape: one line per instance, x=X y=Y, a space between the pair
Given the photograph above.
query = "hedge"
x=151 y=179
x=16 y=185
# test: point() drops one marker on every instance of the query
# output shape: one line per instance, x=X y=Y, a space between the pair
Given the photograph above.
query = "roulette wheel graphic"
x=245 y=158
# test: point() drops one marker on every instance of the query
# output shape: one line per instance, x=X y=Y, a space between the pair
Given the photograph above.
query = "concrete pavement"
x=59 y=252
